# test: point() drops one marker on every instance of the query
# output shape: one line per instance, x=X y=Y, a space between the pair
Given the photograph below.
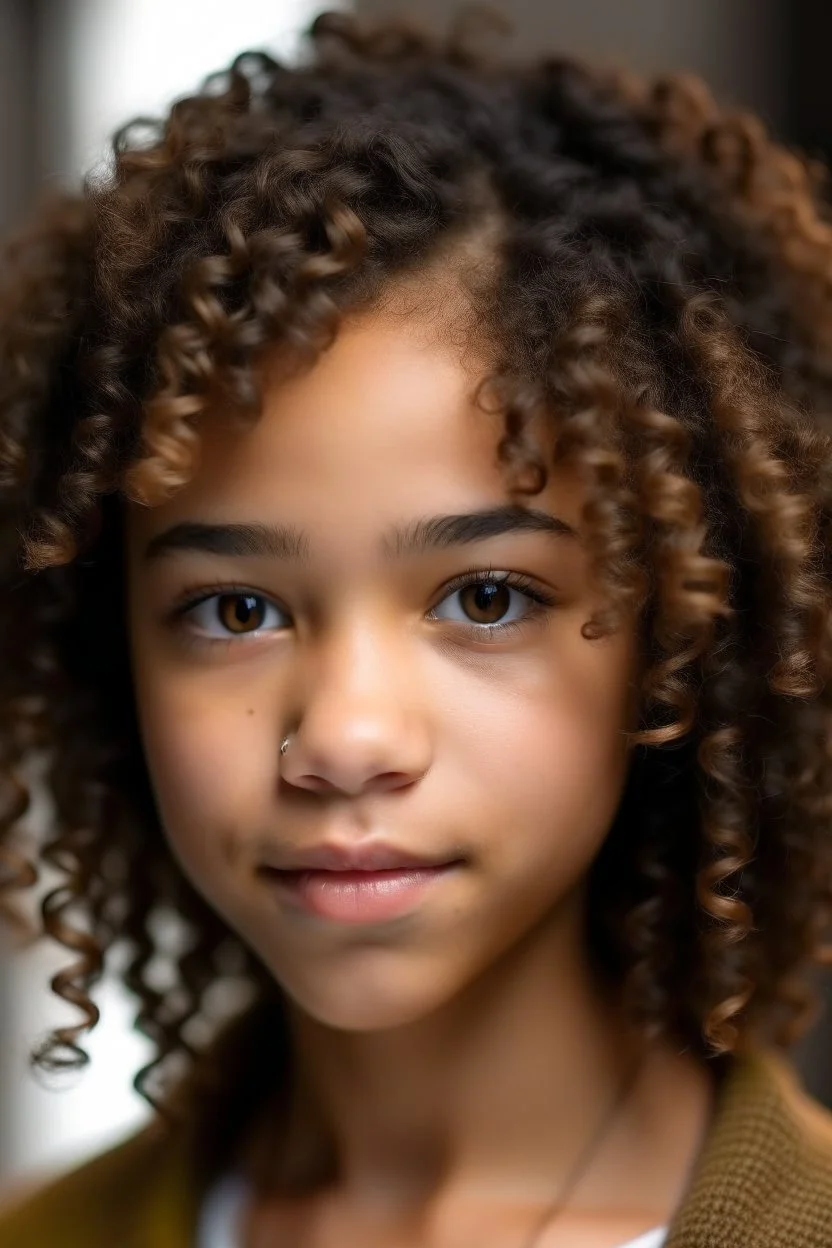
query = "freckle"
x=250 y=710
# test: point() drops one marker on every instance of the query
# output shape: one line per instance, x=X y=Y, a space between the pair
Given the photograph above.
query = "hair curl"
x=648 y=271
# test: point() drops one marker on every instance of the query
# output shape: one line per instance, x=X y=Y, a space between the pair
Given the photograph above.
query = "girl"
x=416 y=592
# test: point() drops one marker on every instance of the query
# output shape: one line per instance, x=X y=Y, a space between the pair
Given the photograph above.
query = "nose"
x=360 y=728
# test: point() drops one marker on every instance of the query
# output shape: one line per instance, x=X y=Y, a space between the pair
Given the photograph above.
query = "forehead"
x=384 y=426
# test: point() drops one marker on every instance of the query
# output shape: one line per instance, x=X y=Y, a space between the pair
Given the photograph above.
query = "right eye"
x=234 y=614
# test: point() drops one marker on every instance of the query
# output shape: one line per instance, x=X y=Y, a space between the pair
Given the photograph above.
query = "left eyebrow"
x=287 y=543
x=441 y=532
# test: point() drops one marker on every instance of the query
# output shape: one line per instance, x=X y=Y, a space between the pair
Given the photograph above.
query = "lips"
x=357 y=896
x=342 y=883
x=335 y=856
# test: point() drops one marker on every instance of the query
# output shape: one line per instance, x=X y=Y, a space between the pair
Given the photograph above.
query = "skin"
x=454 y=1062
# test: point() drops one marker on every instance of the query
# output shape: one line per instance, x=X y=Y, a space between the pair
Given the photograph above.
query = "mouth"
x=357 y=896
x=366 y=856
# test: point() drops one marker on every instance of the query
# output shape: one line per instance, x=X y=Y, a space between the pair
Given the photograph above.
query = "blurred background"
x=73 y=70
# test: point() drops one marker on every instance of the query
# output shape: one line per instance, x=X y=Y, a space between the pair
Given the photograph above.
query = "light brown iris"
x=241 y=613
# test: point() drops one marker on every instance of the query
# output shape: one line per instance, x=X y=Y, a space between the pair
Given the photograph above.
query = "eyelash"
x=541 y=600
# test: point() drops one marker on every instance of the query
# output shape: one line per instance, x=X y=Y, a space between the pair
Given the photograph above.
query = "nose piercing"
x=284 y=745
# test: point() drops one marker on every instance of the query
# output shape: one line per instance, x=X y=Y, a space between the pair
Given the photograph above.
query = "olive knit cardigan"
x=764 y=1180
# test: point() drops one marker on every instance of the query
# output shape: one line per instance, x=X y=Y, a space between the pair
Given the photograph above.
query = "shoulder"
x=145 y=1193
x=799 y=1123
x=113 y=1199
x=765 y=1175
x=813 y=1119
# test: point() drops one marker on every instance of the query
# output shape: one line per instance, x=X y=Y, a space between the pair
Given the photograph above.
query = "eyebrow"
x=285 y=542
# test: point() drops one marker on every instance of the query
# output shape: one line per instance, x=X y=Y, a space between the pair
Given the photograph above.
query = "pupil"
x=487 y=602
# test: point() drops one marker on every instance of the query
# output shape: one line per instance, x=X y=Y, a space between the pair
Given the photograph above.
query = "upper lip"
x=331 y=856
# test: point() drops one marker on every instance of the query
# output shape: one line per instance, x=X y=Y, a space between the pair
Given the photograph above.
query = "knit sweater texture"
x=763 y=1180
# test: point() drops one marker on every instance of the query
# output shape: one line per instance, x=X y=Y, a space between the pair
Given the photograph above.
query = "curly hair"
x=650 y=273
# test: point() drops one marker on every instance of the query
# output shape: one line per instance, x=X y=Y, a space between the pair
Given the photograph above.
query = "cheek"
x=552 y=756
x=209 y=757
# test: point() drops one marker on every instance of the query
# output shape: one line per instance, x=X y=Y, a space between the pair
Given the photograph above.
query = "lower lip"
x=359 y=896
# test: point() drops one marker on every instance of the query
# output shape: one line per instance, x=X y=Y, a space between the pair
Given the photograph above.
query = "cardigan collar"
x=764 y=1175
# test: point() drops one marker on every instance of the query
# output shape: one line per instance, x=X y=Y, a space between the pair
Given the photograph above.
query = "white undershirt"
x=223 y=1209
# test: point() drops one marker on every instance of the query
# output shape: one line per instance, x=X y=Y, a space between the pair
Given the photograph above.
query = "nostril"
x=393 y=780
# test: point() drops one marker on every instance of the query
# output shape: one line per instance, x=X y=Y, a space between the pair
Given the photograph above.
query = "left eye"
x=224 y=615
x=487 y=602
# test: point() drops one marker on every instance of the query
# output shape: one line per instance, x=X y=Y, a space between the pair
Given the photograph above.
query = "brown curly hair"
x=651 y=273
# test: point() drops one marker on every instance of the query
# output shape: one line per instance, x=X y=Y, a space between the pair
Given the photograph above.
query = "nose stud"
x=284 y=744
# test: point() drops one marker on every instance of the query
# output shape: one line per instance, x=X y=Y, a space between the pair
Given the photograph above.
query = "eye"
x=234 y=614
x=492 y=600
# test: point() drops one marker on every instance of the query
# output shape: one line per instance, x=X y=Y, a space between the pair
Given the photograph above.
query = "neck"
x=504 y=1085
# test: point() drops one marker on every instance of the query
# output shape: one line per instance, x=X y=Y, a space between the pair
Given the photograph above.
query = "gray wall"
x=734 y=44
x=18 y=159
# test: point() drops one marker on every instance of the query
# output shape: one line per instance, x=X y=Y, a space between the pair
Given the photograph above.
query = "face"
x=457 y=748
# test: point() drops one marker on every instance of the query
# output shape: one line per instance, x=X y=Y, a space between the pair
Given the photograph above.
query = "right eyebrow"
x=285 y=542
x=233 y=541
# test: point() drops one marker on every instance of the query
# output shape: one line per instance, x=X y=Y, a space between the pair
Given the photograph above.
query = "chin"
x=364 y=1003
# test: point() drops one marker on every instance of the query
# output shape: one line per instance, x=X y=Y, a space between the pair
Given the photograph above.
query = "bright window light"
x=133 y=57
